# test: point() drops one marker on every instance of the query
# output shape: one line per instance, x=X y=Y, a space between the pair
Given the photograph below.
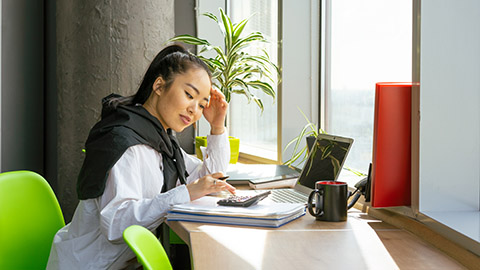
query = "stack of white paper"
x=265 y=213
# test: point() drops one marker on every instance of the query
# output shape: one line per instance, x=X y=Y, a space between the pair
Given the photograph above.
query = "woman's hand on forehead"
x=216 y=111
x=214 y=93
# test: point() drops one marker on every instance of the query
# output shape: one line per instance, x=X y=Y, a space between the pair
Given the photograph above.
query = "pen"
x=224 y=178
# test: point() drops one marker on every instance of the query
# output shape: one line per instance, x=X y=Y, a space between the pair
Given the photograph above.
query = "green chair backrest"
x=29 y=218
x=145 y=245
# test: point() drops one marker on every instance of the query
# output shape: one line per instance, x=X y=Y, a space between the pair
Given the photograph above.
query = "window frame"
x=299 y=62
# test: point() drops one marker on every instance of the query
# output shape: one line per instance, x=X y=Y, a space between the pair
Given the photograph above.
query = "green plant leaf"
x=226 y=92
x=289 y=143
x=303 y=134
x=357 y=173
x=211 y=16
x=313 y=126
x=309 y=129
x=264 y=62
x=248 y=73
x=213 y=63
x=335 y=164
x=259 y=103
x=227 y=24
x=220 y=54
x=265 y=87
x=326 y=151
x=238 y=29
x=313 y=154
x=246 y=41
x=189 y=40
x=233 y=69
x=204 y=49
x=244 y=86
x=295 y=157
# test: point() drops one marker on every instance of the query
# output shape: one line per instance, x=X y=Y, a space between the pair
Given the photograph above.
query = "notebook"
x=324 y=162
x=264 y=214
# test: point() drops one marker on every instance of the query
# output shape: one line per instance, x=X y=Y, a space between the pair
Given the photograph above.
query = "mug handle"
x=318 y=204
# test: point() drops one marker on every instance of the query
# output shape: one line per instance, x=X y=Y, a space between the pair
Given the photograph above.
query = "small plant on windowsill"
x=234 y=69
x=309 y=133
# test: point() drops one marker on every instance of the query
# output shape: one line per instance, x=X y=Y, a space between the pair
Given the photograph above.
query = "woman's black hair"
x=170 y=61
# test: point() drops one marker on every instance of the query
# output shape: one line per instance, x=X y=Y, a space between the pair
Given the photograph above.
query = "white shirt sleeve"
x=216 y=158
x=133 y=193
x=133 y=190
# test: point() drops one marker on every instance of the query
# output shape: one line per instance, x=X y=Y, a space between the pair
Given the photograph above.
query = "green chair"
x=29 y=218
x=145 y=245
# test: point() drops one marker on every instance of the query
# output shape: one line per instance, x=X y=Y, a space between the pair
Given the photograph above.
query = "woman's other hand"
x=216 y=111
x=208 y=184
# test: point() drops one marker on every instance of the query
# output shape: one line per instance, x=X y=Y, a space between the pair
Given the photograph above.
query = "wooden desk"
x=361 y=242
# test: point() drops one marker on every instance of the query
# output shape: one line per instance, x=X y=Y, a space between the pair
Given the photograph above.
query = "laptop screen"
x=325 y=160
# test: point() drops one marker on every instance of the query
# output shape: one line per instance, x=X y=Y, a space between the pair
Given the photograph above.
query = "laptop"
x=325 y=162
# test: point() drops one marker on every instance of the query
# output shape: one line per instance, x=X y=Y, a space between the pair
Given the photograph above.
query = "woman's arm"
x=216 y=157
x=132 y=193
x=217 y=154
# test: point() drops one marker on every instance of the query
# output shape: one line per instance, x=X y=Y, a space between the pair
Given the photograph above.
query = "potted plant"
x=309 y=133
x=234 y=69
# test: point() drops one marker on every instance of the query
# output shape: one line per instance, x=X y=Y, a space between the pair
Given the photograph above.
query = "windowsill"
x=434 y=227
x=466 y=234
x=253 y=154
x=255 y=151
x=466 y=223
x=253 y=159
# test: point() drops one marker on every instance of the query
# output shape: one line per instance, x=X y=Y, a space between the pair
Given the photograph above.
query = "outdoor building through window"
x=370 y=41
x=365 y=42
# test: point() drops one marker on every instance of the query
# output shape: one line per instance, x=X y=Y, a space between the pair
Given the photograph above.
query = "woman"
x=134 y=170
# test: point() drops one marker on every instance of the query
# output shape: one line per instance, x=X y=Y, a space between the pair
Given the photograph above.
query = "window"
x=370 y=41
x=257 y=131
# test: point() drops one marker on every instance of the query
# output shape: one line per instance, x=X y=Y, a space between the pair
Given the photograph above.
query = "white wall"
x=449 y=173
x=300 y=58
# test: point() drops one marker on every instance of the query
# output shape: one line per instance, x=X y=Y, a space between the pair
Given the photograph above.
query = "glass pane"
x=257 y=131
x=371 y=42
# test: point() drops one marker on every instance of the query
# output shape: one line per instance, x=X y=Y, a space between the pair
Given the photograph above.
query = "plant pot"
x=234 y=147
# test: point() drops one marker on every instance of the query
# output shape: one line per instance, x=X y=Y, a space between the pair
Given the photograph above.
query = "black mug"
x=330 y=201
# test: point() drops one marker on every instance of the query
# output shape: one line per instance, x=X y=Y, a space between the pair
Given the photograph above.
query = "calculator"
x=243 y=201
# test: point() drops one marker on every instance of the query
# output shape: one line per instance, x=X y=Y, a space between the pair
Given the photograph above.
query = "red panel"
x=391 y=167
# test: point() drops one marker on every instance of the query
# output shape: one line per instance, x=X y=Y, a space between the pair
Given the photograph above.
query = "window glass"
x=257 y=131
x=370 y=42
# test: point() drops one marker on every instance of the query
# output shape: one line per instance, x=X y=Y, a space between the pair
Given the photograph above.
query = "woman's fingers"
x=217 y=175
x=221 y=185
x=218 y=184
x=215 y=93
x=217 y=97
x=208 y=184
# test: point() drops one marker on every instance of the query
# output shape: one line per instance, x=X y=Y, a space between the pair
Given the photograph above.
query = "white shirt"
x=93 y=239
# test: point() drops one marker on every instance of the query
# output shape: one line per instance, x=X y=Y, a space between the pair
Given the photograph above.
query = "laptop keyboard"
x=287 y=195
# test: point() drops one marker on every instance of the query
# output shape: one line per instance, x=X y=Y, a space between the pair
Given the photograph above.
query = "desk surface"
x=362 y=242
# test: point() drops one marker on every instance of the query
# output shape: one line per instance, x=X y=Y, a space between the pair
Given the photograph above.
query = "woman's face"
x=182 y=104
